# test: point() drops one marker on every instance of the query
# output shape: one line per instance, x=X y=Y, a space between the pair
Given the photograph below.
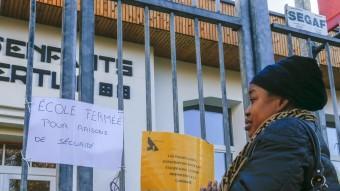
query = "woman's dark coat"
x=282 y=160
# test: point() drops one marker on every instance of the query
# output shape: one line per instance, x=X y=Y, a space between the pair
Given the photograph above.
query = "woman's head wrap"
x=299 y=79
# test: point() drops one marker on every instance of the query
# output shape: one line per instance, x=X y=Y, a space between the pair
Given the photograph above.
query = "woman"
x=280 y=155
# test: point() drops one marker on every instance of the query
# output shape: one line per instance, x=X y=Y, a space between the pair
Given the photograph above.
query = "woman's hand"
x=211 y=187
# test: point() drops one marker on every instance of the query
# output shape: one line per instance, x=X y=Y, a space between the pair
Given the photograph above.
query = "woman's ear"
x=283 y=104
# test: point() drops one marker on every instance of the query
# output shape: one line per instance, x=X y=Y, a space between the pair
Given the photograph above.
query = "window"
x=332 y=138
x=337 y=168
x=214 y=132
x=333 y=144
x=33 y=185
x=13 y=156
x=220 y=167
x=1 y=153
x=213 y=121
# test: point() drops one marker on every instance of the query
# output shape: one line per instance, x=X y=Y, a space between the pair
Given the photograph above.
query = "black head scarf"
x=296 y=78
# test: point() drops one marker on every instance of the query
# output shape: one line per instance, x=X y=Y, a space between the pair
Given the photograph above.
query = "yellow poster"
x=175 y=162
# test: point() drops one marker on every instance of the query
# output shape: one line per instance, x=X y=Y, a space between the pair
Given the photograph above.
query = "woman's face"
x=262 y=106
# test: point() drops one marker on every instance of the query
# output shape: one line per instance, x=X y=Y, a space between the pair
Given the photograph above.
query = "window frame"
x=218 y=109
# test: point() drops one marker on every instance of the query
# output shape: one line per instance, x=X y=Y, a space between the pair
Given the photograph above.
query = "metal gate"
x=255 y=50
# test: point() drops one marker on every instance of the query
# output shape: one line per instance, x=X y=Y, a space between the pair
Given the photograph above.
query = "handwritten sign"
x=306 y=20
x=172 y=161
x=70 y=132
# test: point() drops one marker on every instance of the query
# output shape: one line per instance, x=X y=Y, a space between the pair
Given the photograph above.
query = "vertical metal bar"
x=289 y=35
x=120 y=85
x=68 y=76
x=199 y=75
x=174 y=72
x=245 y=48
x=303 y=4
x=147 y=68
x=28 y=99
x=86 y=53
x=226 y=127
x=120 y=56
x=322 y=116
x=321 y=113
x=86 y=56
x=261 y=34
x=333 y=92
x=322 y=124
x=310 y=48
x=290 y=44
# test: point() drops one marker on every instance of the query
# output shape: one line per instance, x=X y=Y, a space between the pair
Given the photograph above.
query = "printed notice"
x=77 y=133
x=174 y=162
x=306 y=20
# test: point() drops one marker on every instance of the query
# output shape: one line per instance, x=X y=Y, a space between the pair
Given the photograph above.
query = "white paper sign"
x=305 y=20
x=70 y=132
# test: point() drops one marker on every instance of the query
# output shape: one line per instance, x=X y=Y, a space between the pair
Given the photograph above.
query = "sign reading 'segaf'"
x=70 y=132
x=305 y=20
